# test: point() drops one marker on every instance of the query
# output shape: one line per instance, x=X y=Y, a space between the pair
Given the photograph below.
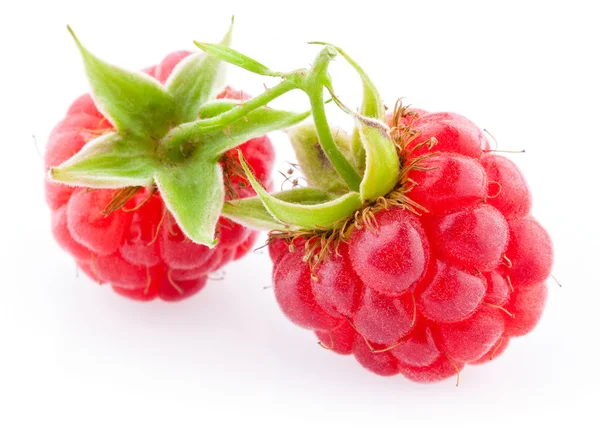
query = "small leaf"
x=133 y=102
x=217 y=107
x=234 y=57
x=195 y=80
x=254 y=124
x=372 y=105
x=314 y=164
x=109 y=161
x=311 y=216
x=252 y=213
x=193 y=192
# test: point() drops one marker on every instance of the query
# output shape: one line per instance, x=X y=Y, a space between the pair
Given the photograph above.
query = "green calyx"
x=170 y=135
x=344 y=173
x=174 y=135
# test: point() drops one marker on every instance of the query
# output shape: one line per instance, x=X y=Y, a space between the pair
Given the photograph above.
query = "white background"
x=75 y=354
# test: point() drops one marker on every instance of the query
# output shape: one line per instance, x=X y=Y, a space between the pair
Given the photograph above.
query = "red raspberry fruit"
x=139 y=249
x=423 y=295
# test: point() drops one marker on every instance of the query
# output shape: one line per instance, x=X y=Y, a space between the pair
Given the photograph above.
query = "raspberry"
x=140 y=249
x=423 y=293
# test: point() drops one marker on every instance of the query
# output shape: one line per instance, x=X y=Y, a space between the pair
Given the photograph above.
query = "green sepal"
x=133 y=102
x=195 y=80
x=382 y=167
x=254 y=124
x=109 y=161
x=237 y=58
x=314 y=164
x=251 y=212
x=215 y=142
x=216 y=107
x=297 y=215
x=193 y=192
x=372 y=105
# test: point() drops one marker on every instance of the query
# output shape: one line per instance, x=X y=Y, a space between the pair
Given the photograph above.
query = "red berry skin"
x=115 y=269
x=498 y=349
x=452 y=295
x=246 y=246
x=383 y=364
x=337 y=288
x=85 y=104
x=139 y=250
x=469 y=340
x=293 y=291
x=339 y=339
x=178 y=251
x=66 y=139
x=141 y=294
x=440 y=369
x=436 y=291
x=384 y=319
x=475 y=238
x=498 y=289
x=418 y=350
x=454 y=134
x=163 y=70
x=277 y=250
x=529 y=253
x=451 y=182
x=526 y=306
x=63 y=237
x=393 y=257
x=508 y=190
x=140 y=246
x=232 y=234
x=102 y=234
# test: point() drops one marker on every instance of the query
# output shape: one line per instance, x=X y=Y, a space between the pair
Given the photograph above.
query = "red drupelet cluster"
x=139 y=249
x=423 y=295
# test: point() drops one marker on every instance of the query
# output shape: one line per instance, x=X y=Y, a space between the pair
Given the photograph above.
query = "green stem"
x=187 y=131
x=333 y=153
x=312 y=83
x=313 y=86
